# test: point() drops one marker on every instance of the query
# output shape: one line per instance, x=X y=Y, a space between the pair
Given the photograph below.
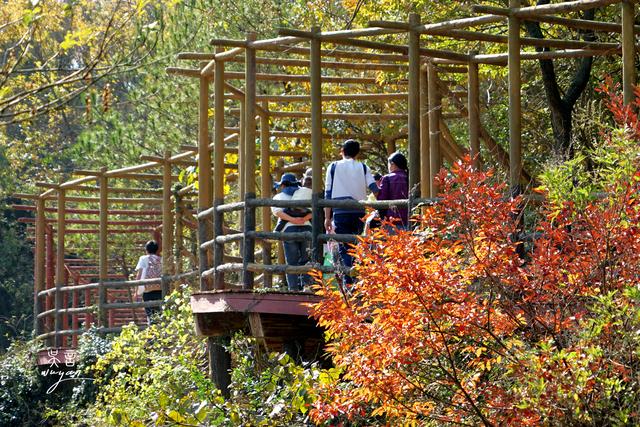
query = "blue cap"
x=288 y=178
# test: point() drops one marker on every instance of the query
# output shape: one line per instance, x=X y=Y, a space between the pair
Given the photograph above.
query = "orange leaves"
x=440 y=320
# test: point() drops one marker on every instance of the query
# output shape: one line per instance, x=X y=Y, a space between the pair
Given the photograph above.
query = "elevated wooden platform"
x=279 y=319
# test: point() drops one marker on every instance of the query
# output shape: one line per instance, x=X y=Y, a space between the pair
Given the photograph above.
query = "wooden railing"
x=87 y=309
x=214 y=248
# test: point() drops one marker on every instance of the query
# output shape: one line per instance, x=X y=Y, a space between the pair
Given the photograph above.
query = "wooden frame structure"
x=225 y=276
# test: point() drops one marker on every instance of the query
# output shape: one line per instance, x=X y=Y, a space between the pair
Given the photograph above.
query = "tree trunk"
x=561 y=107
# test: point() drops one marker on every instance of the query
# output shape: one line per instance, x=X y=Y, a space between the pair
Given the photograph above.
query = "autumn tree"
x=449 y=324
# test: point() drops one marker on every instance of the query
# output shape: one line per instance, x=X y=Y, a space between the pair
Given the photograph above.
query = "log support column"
x=628 y=51
x=473 y=110
x=204 y=182
x=315 y=68
x=249 y=162
x=60 y=270
x=414 y=107
x=515 y=102
x=435 y=112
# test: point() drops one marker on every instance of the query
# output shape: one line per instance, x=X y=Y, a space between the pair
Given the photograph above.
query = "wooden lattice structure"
x=226 y=301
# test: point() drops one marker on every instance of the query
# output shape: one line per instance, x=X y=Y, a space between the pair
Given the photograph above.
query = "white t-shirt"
x=302 y=193
x=143 y=264
x=350 y=180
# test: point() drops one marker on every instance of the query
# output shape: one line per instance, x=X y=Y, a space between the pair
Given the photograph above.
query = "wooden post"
x=249 y=161
x=241 y=150
x=628 y=51
x=65 y=316
x=39 y=268
x=220 y=363
x=204 y=180
x=315 y=69
x=219 y=358
x=103 y=256
x=178 y=231
x=60 y=265
x=50 y=279
x=515 y=102
x=473 y=108
x=414 y=105
x=218 y=170
x=425 y=166
x=167 y=222
x=435 y=99
x=74 y=317
x=265 y=190
x=280 y=248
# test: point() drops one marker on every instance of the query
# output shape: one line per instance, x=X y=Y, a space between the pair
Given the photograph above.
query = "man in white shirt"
x=296 y=252
x=347 y=179
x=150 y=267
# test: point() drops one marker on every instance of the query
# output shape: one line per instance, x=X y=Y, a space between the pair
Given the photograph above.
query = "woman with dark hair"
x=395 y=186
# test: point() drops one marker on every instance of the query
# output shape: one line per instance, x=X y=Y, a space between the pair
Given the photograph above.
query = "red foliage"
x=624 y=115
x=439 y=317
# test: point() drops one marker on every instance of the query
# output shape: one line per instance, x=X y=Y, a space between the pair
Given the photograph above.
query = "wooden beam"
x=218 y=174
x=413 y=123
x=307 y=135
x=502 y=58
x=315 y=76
x=331 y=115
x=458 y=23
x=75 y=182
x=227 y=43
x=241 y=150
x=60 y=270
x=204 y=177
x=265 y=188
x=95 y=189
x=231 y=53
x=342 y=97
x=360 y=32
x=103 y=250
x=249 y=161
x=339 y=53
x=628 y=51
x=39 y=267
x=425 y=170
x=550 y=9
x=526 y=41
x=167 y=217
x=431 y=53
x=473 y=108
x=515 y=102
x=182 y=71
x=435 y=108
x=333 y=65
x=299 y=78
x=580 y=24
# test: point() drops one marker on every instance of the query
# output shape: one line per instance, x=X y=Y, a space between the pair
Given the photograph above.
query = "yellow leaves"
x=140 y=6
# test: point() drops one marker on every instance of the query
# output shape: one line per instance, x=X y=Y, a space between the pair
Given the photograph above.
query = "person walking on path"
x=395 y=186
x=296 y=252
x=150 y=267
x=347 y=179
